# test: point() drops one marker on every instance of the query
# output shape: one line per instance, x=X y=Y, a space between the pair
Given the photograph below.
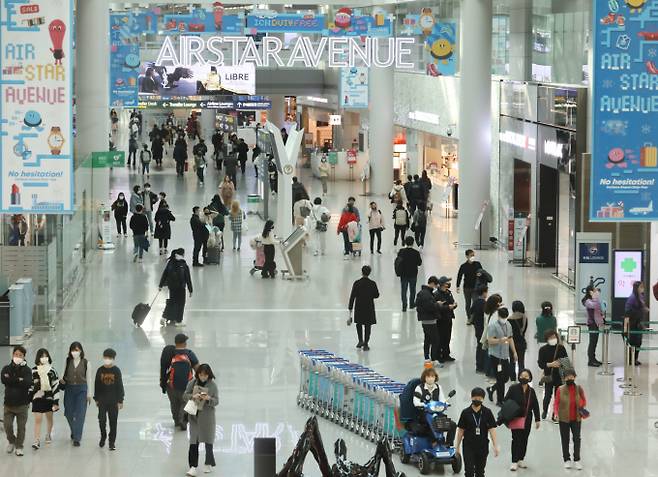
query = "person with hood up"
x=176 y=277
x=136 y=199
x=120 y=208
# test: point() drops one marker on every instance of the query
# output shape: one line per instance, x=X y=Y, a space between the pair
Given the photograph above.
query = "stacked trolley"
x=351 y=395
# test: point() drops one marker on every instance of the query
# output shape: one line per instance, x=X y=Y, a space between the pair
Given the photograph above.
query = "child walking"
x=108 y=394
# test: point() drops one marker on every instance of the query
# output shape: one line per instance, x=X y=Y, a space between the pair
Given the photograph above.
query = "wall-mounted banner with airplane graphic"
x=624 y=177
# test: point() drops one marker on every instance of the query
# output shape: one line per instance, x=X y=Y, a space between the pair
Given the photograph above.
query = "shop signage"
x=339 y=52
x=335 y=120
x=351 y=156
x=317 y=99
x=627 y=270
x=108 y=159
x=441 y=50
x=424 y=117
x=594 y=265
x=518 y=140
x=36 y=117
x=554 y=149
x=625 y=104
x=268 y=21
x=332 y=158
x=354 y=88
x=229 y=103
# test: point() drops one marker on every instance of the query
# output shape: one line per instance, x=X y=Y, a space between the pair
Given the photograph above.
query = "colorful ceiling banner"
x=36 y=116
x=441 y=49
x=268 y=21
x=354 y=88
x=624 y=167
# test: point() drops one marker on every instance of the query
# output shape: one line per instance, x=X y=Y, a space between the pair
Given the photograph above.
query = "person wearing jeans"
x=408 y=261
x=427 y=309
x=77 y=393
x=499 y=333
x=17 y=378
x=569 y=407
x=139 y=225
x=375 y=227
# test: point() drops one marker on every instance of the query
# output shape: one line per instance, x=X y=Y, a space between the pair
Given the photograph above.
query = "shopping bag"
x=191 y=408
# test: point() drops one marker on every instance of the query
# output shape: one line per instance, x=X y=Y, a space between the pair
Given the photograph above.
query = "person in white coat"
x=321 y=216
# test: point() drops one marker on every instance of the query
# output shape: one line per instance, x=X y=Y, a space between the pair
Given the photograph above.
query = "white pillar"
x=207 y=124
x=92 y=89
x=474 y=116
x=276 y=115
x=381 y=129
x=521 y=40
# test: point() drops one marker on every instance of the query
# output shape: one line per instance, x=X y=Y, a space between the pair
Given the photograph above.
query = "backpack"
x=408 y=411
x=397 y=265
x=180 y=371
x=304 y=211
x=400 y=217
x=145 y=156
x=175 y=276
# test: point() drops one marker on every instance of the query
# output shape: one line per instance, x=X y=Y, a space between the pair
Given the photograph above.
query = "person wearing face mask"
x=136 y=199
x=77 y=390
x=323 y=169
x=163 y=219
x=200 y=235
x=638 y=316
x=524 y=395
x=17 y=378
x=267 y=239
x=175 y=276
x=570 y=409
x=120 y=208
x=429 y=390
x=145 y=157
x=44 y=395
x=375 y=227
x=595 y=322
x=203 y=392
x=545 y=321
x=467 y=271
x=499 y=335
x=108 y=395
x=476 y=424
x=149 y=199
x=549 y=360
x=427 y=310
x=444 y=297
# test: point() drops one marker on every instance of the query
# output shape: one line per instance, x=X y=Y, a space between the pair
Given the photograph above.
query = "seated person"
x=428 y=390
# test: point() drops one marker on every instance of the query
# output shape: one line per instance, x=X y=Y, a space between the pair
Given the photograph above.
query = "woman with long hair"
x=44 y=393
x=269 y=267
x=636 y=310
x=595 y=322
x=176 y=277
x=236 y=216
x=77 y=390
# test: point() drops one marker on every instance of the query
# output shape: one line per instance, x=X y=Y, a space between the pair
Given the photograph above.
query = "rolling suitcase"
x=141 y=311
x=213 y=255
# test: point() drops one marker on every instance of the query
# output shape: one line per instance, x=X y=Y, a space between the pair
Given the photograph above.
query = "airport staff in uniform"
x=476 y=424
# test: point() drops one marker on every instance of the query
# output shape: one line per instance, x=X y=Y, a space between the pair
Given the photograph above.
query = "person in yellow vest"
x=569 y=407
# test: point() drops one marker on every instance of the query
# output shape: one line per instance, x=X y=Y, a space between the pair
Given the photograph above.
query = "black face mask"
x=570 y=382
x=524 y=380
x=476 y=403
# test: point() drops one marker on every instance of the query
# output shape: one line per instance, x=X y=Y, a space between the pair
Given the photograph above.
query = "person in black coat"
x=523 y=394
x=548 y=359
x=362 y=301
x=163 y=217
x=180 y=155
x=176 y=277
x=157 y=148
x=444 y=297
x=200 y=234
x=243 y=149
x=428 y=311
x=120 y=208
x=409 y=261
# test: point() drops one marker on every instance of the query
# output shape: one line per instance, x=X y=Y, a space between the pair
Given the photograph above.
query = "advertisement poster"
x=628 y=269
x=351 y=22
x=441 y=49
x=351 y=156
x=180 y=82
x=205 y=21
x=36 y=120
x=593 y=268
x=354 y=88
x=124 y=74
x=268 y=21
x=625 y=105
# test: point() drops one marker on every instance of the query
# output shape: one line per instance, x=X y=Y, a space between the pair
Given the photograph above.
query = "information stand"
x=293 y=252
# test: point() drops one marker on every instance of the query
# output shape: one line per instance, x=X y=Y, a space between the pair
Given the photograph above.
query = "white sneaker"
x=180 y=325
x=10 y=448
x=163 y=322
x=567 y=464
x=36 y=445
x=19 y=452
x=191 y=472
x=208 y=469
x=578 y=465
x=522 y=464
x=513 y=467
x=49 y=439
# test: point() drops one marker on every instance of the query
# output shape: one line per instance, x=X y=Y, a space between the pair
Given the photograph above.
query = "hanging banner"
x=201 y=20
x=625 y=90
x=268 y=21
x=351 y=22
x=36 y=117
x=354 y=88
x=124 y=75
x=441 y=48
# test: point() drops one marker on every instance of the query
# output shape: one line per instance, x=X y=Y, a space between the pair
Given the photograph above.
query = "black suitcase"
x=213 y=255
x=141 y=311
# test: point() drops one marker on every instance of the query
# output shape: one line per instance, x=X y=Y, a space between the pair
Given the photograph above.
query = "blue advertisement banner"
x=441 y=49
x=271 y=22
x=348 y=22
x=593 y=253
x=124 y=75
x=204 y=21
x=624 y=165
x=354 y=88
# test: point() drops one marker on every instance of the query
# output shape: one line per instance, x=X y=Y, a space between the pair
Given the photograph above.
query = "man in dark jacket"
x=176 y=277
x=408 y=261
x=17 y=378
x=139 y=224
x=298 y=191
x=427 y=310
x=467 y=271
x=243 y=149
x=407 y=186
x=444 y=297
x=175 y=374
x=132 y=150
x=218 y=143
x=482 y=278
x=416 y=194
x=231 y=166
x=362 y=301
x=200 y=234
x=180 y=155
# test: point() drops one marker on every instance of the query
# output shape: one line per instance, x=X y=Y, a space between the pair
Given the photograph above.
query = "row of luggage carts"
x=350 y=395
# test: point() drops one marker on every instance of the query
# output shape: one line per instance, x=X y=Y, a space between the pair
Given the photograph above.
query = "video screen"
x=170 y=82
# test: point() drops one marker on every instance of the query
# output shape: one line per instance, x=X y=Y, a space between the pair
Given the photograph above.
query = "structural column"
x=381 y=128
x=207 y=124
x=474 y=117
x=92 y=102
x=521 y=40
x=276 y=115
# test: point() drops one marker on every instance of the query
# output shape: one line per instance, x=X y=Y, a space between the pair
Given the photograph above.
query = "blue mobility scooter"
x=427 y=451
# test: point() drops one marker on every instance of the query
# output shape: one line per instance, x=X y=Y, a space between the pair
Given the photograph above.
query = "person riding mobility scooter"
x=430 y=432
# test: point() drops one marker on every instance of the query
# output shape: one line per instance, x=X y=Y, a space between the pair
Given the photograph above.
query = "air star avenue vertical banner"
x=36 y=140
x=624 y=166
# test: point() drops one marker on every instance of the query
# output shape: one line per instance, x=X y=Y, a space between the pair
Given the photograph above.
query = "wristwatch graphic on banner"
x=55 y=140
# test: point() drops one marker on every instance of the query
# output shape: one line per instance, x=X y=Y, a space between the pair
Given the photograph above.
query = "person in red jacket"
x=569 y=407
x=348 y=215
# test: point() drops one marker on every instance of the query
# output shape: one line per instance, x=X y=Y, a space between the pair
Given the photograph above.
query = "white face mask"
x=108 y=361
x=75 y=354
x=552 y=341
x=471 y=258
x=502 y=320
x=179 y=257
x=44 y=360
x=17 y=361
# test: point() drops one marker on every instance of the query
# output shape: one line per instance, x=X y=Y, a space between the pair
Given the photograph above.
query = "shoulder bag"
x=548 y=378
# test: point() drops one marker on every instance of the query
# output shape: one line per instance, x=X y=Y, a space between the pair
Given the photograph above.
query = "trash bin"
x=264 y=457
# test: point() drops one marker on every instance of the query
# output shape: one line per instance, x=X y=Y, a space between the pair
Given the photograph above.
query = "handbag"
x=548 y=378
x=518 y=423
x=320 y=226
x=191 y=408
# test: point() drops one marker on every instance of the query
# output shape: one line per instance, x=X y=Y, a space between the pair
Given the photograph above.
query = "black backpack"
x=175 y=275
x=397 y=265
x=408 y=412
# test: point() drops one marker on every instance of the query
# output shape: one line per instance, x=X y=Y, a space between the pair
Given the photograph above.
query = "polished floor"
x=250 y=329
